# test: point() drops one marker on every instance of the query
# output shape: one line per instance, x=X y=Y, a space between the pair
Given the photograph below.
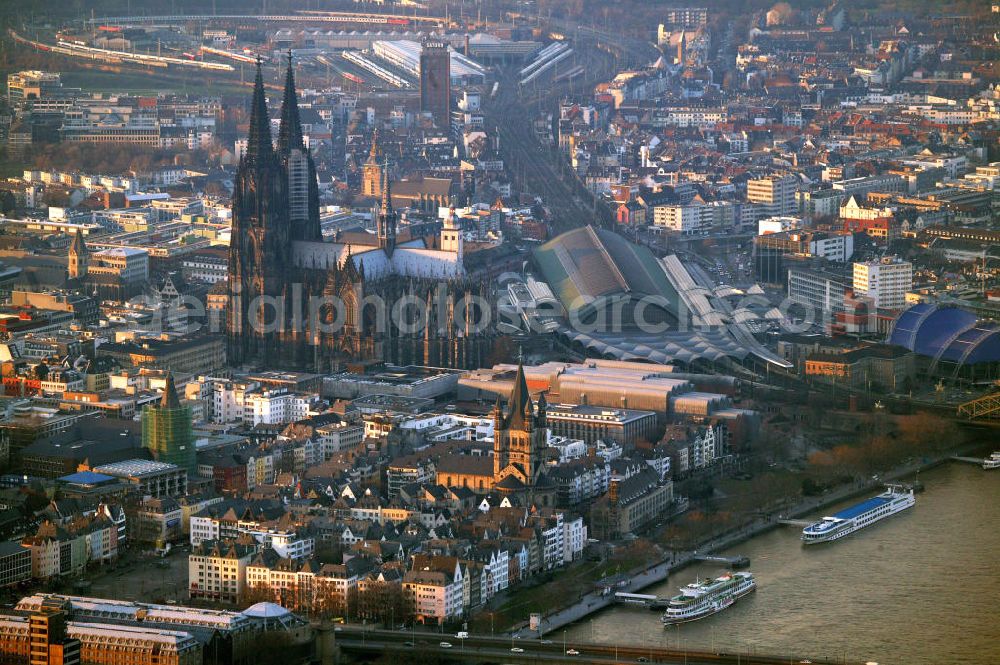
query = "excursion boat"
x=895 y=499
x=707 y=597
x=992 y=462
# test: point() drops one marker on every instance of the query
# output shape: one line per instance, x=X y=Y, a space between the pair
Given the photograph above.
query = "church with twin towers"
x=297 y=300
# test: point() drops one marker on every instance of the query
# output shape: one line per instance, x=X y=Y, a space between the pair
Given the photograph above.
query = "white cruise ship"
x=893 y=500
x=706 y=597
x=992 y=462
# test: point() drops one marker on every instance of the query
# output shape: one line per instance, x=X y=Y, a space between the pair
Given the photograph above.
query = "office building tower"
x=886 y=281
x=435 y=81
x=49 y=641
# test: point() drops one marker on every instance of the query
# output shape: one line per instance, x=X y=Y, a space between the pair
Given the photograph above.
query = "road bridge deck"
x=500 y=649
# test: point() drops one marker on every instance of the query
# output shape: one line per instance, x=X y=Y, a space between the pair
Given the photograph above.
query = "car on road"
x=546 y=641
x=642 y=659
x=462 y=635
x=445 y=645
x=407 y=644
x=572 y=652
x=517 y=650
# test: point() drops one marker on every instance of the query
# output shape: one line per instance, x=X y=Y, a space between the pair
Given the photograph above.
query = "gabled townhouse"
x=217 y=569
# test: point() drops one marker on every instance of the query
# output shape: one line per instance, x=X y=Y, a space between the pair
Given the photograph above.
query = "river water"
x=919 y=588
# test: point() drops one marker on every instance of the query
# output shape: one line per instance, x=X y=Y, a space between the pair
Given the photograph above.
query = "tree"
x=327 y=602
x=256 y=594
x=329 y=551
x=7 y=202
x=271 y=648
x=382 y=601
x=925 y=432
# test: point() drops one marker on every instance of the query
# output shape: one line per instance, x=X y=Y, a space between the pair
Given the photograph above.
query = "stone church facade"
x=296 y=301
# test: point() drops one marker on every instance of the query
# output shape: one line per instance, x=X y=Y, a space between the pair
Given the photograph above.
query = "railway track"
x=536 y=167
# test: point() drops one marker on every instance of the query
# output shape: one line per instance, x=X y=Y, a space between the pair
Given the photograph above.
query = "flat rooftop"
x=86 y=478
x=136 y=468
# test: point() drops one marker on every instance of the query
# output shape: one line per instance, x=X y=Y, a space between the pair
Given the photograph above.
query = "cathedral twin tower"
x=297 y=302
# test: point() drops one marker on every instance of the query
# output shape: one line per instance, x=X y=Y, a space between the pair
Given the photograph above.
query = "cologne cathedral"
x=296 y=301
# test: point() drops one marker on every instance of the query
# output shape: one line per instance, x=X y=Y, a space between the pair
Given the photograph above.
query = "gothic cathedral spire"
x=260 y=245
x=259 y=148
x=303 y=189
x=387 y=216
x=290 y=131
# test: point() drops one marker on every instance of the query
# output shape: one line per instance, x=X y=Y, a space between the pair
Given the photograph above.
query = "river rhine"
x=919 y=588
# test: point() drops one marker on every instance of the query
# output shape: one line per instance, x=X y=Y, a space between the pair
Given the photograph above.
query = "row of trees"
x=885 y=441
x=111 y=158
x=378 y=602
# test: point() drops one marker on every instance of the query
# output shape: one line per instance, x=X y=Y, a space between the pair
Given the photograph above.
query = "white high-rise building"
x=886 y=281
x=776 y=194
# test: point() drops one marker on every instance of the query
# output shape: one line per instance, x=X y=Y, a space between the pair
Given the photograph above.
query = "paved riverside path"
x=593 y=601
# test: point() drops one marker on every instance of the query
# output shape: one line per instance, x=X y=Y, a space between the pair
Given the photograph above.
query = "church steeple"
x=387 y=216
x=290 y=131
x=386 y=193
x=169 y=399
x=259 y=147
x=376 y=152
x=519 y=410
x=372 y=171
x=78 y=257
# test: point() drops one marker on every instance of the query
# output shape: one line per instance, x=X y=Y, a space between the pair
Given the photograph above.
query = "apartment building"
x=252 y=403
x=819 y=203
x=776 y=194
x=304 y=585
x=886 y=282
x=129 y=264
x=684 y=219
x=686 y=16
x=56 y=551
x=436 y=596
x=270 y=407
x=630 y=504
x=217 y=569
x=701 y=117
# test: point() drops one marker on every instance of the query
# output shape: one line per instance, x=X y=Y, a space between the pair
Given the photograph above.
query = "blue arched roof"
x=905 y=329
x=947 y=333
x=981 y=344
